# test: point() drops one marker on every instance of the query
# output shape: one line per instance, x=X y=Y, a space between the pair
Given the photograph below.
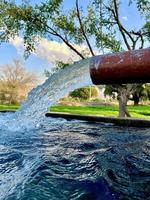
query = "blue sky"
x=8 y=52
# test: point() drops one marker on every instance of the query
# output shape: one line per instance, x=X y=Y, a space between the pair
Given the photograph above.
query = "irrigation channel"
x=51 y=159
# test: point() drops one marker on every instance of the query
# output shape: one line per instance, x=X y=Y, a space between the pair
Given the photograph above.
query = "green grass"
x=9 y=107
x=135 y=111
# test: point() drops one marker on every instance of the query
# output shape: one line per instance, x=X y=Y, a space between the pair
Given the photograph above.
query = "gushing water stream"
x=33 y=110
x=57 y=86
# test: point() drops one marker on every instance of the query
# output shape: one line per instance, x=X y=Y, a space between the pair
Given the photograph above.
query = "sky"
x=49 y=51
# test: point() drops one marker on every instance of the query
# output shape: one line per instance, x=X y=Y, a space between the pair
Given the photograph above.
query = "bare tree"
x=15 y=82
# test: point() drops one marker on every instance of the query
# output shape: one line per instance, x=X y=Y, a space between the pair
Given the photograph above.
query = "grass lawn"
x=9 y=107
x=135 y=111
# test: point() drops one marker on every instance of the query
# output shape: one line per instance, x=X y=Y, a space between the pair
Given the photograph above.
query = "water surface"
x=74 y=160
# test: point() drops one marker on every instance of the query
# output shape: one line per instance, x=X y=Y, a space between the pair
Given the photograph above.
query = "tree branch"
x=67 y=43
x=82 y=29
x=139 y=35
x=121 y=28
x=55 y=33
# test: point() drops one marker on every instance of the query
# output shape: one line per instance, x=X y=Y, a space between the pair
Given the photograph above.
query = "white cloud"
x=51 y=50
x=18 y=43
x=125 y=18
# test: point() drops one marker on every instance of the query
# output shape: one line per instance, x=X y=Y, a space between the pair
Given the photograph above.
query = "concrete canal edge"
x=132 y=122
x=5 y=111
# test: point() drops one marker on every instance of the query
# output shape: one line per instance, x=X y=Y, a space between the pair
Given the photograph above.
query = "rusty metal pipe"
x=119 y=68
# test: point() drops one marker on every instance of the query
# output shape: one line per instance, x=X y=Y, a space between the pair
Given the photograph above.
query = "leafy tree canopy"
x=98 y=26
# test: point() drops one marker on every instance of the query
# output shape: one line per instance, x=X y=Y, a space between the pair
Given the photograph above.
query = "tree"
x=15 y=82
x=142 y=93
x=85 y=93
x=100 y=28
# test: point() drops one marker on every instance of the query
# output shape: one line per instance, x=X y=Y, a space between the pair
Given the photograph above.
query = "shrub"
x=85 y=93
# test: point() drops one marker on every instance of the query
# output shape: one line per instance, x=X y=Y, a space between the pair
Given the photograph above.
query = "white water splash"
x=33 y=110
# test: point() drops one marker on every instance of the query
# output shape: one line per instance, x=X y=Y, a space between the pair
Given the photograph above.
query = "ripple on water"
x=75 y=161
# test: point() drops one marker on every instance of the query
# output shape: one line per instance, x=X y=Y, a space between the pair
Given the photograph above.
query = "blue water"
x=74 y=160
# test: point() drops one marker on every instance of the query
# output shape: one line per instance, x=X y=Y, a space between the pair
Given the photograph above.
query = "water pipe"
x=118 y=68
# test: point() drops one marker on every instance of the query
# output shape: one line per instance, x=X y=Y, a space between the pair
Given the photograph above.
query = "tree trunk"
x=123 y=99
x=136 y=99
